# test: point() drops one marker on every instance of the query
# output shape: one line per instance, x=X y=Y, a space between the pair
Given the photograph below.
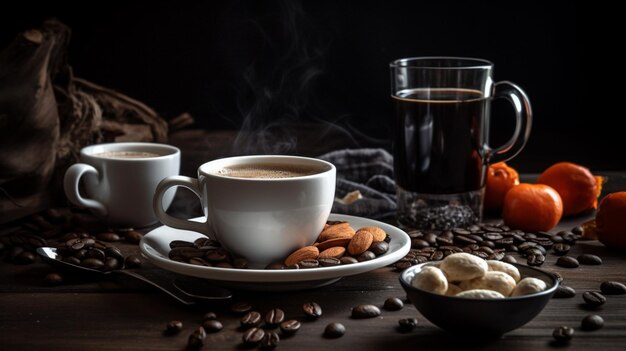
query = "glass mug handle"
x=157 y=204
x=523 y=121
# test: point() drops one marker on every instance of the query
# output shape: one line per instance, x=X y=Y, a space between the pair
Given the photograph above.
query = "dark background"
x=260 y=65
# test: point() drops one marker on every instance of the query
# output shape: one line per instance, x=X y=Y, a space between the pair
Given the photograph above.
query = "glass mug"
x=441 y=137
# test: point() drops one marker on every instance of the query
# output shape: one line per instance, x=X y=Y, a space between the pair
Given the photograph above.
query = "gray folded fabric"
x=370 y=171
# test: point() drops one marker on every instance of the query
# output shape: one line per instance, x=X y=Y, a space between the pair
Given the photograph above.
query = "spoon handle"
x=160 y=282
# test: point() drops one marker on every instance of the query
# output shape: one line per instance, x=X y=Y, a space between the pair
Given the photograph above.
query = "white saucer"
x=155 y=247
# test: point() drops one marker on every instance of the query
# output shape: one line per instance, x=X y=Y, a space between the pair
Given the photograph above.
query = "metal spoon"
x=188 y=291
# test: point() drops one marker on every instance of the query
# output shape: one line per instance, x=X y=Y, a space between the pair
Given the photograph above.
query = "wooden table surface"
x=117 y=315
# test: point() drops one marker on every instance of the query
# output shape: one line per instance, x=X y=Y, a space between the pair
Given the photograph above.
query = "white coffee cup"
x=259 y=218
x=120 y=180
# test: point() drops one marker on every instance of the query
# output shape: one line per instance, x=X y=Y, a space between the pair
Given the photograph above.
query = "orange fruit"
x=611 y=220
x=532 y=207
x=578 y=188
x=500 y=178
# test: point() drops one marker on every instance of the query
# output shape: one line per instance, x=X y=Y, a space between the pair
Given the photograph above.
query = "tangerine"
x=578 y=188
x=611 y=220
x=500 y=178
x=532 y=207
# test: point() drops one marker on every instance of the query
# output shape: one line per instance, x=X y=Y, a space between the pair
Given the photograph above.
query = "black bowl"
x=489 y=317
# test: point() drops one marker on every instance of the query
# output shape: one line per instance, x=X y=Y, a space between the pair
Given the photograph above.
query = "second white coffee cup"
x=259 y=207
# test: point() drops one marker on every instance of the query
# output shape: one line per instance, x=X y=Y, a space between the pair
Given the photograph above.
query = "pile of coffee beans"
x=343 y=246
x=446 y=217
x=488 y=241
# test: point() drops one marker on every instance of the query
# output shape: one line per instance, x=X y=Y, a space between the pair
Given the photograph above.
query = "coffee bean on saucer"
x=196 y=339
x=407 y=324
x=393 y=304
x=253 y=336
x=180 y=243
x=212 y=325
x=613 y=288
x=592 y=322
x=132 y=261
x=561 y=249
x=173 y=327
x=328 y=261
x=274 y=317
x=365 y=311
x=563 y=334
x=270 y=341
x=290 y=327
x=53 y=279
x=240 y=263
x=275 y=266
x=309 y=263
x=312 y=310
x=250 y=319
x=334 y=330
x=240 y=307
x=594 y=298
x=348 y=260
x=379 y=248
x=564 y=292
x=567 y=262
x=366 y=256
x=589 y=259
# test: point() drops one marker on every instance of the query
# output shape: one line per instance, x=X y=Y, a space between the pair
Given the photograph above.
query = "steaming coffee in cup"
x=258 y=207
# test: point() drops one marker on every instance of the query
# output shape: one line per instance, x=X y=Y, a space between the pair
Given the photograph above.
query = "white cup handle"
x=70 y=185
x=157 y=203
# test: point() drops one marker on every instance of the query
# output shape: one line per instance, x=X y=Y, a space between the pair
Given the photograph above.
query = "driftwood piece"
x=47 y=115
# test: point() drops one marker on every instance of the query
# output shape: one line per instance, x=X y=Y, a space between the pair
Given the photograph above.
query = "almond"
x=333 y=252
x=332 y=242
x=305 y=253
x=335 y=231
x=360 y=242
x=378 y=233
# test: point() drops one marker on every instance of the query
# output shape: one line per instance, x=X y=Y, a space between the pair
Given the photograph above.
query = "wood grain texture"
x=113 y=315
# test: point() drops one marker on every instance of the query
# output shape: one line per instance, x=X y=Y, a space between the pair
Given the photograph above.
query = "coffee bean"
x=613 y=288
x=197 y=261
x=564 y=292
x=111 y=264
x=407 y=324
x=393 y=304
x=379 y=248
x=53 y=279
x=173 y=327
x=402 y=264
x=567 y=262
x=108 y=237
x=133 y=236
x=561 y=249
x=493 y=236
x=290 y=327
x=365 y=311
x=209 y=316
x=180 y=243
x=436 y=256
x=250 y=319
x=334 y=330
x=253 y=336
x=96 y=253
x=216 y=255
x=497 y=256
x=212 y=325
x=535 y=260
x=563 y=334
x=75 y=244
x=112 y=251
x=592 y=322
x=558 y=276
x=132 y=261
x=293 y=266
x=186 y=252
x=312 y=310
x=464 y=240
x=26 y=257
x=578 y=230
x=240 y=263
x=72 y=260
x=309 y=263
x=196 y=339
x=348 y=260
x=442 y=240
x=92 y=263
x=589 y=259
x=274 y=317
x=509 y=259
x=240 y=307
x=594 y=298
x=366 y=256
x=275 y=266
x=270 y=341
x=419 y=243
x=330 y=261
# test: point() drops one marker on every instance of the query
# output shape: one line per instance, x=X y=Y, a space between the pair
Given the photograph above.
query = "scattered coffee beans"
x=334 y=330
x=564 y=292
x=407 y=324
x=290 y=327
x=594 y=298
x=274 y=317
x=613 y=288
x=592 y=322
x=209 y=315
x=250 y=319
x=312 y=310
x=567 y=262
x=212 y=325
x=563 y=334
x=196 y=339
x=253 y=336
x=53 y=279
x=561 y=249
x=173 y=327
x=133 y=261
x=270 y=341
x=393 y=304
x=589 y=259
x=365 y=311
x=240 y=307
